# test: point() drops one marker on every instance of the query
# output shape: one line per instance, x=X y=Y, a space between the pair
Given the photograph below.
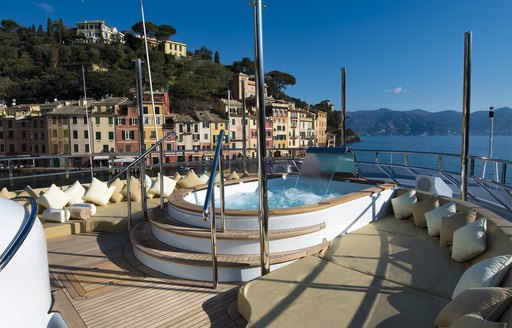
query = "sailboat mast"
x=88 y=123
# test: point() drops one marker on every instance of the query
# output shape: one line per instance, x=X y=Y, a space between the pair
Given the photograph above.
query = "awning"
x=124 y=159
x=100 y=158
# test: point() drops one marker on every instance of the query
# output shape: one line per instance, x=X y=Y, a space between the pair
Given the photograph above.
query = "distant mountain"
x=417 y=122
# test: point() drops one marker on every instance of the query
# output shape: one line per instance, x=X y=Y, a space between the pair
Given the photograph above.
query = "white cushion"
x=75 y=192
x=148 y=182
x=435 y=217
x=486 y=273
x=99 y=193
x=53 y=198
x=402 y=205
x=92 y=207
x=169 y=185
x=55 y=215
x=204 y=178
x=469 y=240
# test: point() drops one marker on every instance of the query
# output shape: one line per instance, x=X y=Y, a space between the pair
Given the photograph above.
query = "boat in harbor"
x=337 y=237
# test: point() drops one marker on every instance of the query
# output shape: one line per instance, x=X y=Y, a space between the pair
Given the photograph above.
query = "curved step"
x=181 y=235
x=197 y=266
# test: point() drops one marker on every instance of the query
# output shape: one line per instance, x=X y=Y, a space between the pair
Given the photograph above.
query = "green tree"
x=49 y=27
x=246 y=66
x=165 y=31
x=151 y=29
x=217 y=58
x=203 y=53
x=10 y=26
x=40 y=31
x=277 y=82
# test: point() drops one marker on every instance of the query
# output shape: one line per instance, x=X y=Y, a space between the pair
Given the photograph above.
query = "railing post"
x=466 y=105
x=377 y=158
x=213 y=228
x=440 y=162
x=406 y=159
x=161 y=149
x=472 y=167
x=142 y=146
x=129 y=199
x=504 y=173
x=221 y=194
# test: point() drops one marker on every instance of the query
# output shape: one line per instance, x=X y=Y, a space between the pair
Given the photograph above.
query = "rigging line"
x=149 y=70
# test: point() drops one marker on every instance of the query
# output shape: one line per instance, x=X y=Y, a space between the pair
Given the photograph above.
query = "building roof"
x=206 y=116
x=68 y=110
x=111 y=101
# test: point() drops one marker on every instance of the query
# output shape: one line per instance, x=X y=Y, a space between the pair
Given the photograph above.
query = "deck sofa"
x=389 y=273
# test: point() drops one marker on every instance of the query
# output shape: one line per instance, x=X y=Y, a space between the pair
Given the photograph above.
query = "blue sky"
x=398 y=54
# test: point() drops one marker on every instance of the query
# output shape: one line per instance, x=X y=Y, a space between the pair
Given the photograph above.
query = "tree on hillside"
x=49 y=27
x=277 y=82
x=203 y=53
x=217 y=57
x=40 y=31
x=323 y=105
x=246 y=66
x=151 y=29
x=9 y=25
x=165 y=32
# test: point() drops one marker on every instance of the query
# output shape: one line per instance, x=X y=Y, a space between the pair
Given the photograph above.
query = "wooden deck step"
x=162 y=220
x=143 y=240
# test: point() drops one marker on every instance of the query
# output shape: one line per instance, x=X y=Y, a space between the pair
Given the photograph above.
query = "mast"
x=343 y=108
x=88 y=123
x=466 y=108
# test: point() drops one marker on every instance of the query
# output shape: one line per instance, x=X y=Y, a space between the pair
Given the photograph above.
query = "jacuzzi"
x=343 y=205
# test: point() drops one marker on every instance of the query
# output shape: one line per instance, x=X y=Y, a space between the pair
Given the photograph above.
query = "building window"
x=74 y=119
x=152 y=134
x=65 y=133
x=54 y=133
x=133 y=121
x=85 y=119
x=145 y=109
x=86 y=134
x=128 y=135
x=86 y=148
x=206 y=125
x=66 y=148
x=75 y=148
x=98 y=135
x=216 y=126
x=180 y=128
x=206 y=136
x=97 y=120
x=23 y=147
x=157 y=109
x=11 y=148
x=232 y=121
x=55 y=148
x=105 y=148
x=147 y=120
x=111 y=136
x=75 y=134
x=121 y=121
x=24 y=134
x=169 y=147
x=158 y=120
x=36 y=149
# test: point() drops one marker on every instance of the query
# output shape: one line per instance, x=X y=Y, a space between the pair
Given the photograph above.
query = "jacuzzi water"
x=287 y=192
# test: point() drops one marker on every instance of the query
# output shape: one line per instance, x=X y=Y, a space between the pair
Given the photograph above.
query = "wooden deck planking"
x=133 y=301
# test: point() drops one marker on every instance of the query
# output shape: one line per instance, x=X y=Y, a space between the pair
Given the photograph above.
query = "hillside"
x=386 y=122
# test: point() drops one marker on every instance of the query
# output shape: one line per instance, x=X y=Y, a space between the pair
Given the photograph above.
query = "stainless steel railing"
x=209 y=206
x=21 y=235
x=127 y=169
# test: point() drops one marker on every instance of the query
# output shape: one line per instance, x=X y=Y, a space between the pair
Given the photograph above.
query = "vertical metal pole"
x=11 y=173
x=161 y=165
x=466 y=106
x=440 y=162
x=244 y=130
x=129 y=199
x=221 y=194
x=142 y=146
x=215 y=274
x=343 y=105
x=88 y=123
x=228 y=130
x=262 y=151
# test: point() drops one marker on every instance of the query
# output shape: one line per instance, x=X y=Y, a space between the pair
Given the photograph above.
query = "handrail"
x=138 y=159
x=211 y=182
x=210 y=198
x=21 y=235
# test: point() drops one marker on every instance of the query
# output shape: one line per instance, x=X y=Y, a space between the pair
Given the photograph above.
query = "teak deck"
x=94 y=285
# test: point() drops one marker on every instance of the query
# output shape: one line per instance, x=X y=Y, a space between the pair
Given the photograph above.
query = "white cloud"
x=45 y=6
x=397 y=90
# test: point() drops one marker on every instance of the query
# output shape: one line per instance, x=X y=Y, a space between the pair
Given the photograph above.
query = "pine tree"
x=40 y=31
x=49 y=27
x=217 y=57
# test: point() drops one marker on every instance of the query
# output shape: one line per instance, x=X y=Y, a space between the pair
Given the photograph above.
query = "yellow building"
x=216 y=124
x=161 y=100
x=177 y=49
